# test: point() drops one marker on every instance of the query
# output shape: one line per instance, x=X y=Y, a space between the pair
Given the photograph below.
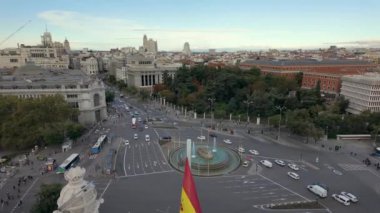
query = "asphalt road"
x=146 y=177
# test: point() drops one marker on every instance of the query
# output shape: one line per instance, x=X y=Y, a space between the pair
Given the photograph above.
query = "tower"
x=186 y=49
x=46 y=39
x=145 y=43
x=66 y=46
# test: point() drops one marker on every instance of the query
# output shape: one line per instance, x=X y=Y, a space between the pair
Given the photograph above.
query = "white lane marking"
x=141 y=159
x=108 y=184
x=125 y=153
x=283 y=187
x=153 y=173
x=24 y=195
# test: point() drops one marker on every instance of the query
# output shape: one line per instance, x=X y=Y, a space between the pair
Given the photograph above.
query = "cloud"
x=363 y=43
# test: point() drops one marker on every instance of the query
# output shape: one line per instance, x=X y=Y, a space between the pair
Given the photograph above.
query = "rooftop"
x=304 y=62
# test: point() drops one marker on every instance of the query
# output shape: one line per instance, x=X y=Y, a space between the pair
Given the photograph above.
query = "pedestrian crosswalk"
x=353 y=167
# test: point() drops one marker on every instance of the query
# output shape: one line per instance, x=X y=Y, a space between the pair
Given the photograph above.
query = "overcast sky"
x=244 y=24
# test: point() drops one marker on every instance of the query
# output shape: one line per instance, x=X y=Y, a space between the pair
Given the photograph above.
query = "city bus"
x=98 y=145
x=71 y=161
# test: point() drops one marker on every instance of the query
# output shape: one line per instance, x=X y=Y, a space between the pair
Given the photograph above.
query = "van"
x=321 y=192
x=147 y=138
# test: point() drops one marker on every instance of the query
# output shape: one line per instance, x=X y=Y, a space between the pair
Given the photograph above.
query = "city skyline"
x=102 y=25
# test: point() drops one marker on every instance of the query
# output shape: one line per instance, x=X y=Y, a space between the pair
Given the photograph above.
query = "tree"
x=110 y=96
x=47 y=198
x=74 y=131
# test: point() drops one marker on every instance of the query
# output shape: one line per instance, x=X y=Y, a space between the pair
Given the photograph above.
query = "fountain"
x=206 y=160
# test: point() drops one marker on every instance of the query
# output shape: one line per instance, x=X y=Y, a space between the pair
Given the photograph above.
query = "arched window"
x=96 y=99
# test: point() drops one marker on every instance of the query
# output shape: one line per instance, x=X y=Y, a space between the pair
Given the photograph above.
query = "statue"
x=78 y=196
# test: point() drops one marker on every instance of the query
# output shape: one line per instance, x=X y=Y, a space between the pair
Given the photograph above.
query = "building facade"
x=48 y=54
x=89 y=65
x=149 y=45
x=327 y=72
x=85 y=93
x=363 y=92
x=186 y=49
x=143 y=73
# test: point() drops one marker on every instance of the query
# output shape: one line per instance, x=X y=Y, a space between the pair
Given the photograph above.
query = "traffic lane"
x=144 y=157
x=335 y=183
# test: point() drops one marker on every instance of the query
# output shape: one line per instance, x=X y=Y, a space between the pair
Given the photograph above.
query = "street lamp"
x=279 y=121
x=212 y=100
x=248 y=103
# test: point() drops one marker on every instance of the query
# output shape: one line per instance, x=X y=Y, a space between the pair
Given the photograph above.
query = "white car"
x=241 y=149
x=350 y=196
x=202 y=137
x=147 y=138
x=341 y=199
x=146 y=126
x=135 y=136
x=293 y=166
x=227 y=141
x=245 y=163
x=126 y=142
x=280 y=162
x=266 y=163
x=254 y=152
x=294 y=175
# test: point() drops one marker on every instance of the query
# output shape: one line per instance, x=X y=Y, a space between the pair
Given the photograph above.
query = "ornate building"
x=85 y=93
x=149 y=45
x=48 y=54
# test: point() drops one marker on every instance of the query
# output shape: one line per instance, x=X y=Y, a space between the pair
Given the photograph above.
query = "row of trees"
x=29 y=122
x=232 y=90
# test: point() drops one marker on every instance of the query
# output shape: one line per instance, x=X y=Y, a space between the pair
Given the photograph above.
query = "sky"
x=220 y=24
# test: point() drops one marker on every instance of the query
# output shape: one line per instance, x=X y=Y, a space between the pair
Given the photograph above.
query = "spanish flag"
x=189 y=197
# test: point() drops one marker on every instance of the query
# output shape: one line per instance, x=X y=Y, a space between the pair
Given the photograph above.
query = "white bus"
x=71 y=161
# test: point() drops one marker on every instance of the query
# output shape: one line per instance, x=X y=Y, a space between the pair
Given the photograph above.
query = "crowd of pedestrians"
x=15 y=193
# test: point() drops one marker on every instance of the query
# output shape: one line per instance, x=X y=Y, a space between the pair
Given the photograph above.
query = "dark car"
x=213 y=135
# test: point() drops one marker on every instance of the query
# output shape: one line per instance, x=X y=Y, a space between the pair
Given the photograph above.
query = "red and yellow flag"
x=189 y=197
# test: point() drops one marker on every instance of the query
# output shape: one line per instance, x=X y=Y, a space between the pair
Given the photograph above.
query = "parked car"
x=293 y=166
x=266 y=163
x=350 y=196
x=280 y=162
x=254 y=152
x=294 y=175
x=341 y=199
x=227 y=141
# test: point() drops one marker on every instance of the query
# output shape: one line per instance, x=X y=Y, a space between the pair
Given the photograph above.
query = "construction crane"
x=10 y=36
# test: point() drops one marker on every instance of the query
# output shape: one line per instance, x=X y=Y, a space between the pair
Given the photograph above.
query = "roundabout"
x=206 y=160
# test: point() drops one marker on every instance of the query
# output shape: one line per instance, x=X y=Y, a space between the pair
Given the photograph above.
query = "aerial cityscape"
x=198 y=106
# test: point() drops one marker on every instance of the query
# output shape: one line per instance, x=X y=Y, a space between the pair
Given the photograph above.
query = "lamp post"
x=248 y=103
x=279 y=121
x=212 y=100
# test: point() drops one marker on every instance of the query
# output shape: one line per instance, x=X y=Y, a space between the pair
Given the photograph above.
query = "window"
x=72 y=96
x=13 y=60
x=96 y=99
x=74 y=104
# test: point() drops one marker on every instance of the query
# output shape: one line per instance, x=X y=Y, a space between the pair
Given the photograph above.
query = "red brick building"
x=328 y=72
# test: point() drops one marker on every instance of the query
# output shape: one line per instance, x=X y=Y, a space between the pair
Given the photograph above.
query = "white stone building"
x=49 y=54
x=85 y=93
x=363 y=92
x=89 y=65
x=149 y=45
x=143 y=72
